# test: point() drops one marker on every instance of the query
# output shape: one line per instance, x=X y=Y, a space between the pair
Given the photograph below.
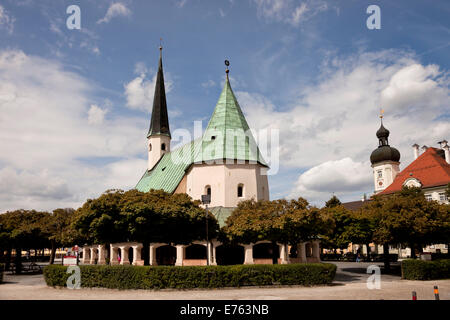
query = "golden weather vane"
x=381 y=113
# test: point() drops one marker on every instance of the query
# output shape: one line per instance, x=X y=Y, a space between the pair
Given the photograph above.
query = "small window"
x=150 y=147
x=208 y=190
x=428 y=197
x=442 y=196
x=213 y=138
x=163 y=147
x=380 y=174
x=240 y=191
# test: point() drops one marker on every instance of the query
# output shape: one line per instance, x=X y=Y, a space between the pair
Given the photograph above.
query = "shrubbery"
x=425 y=270
x=161 y=277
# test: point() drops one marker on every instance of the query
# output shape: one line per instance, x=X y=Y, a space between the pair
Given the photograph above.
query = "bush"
x=425 y=270
x=161 y=277
x=2 y=268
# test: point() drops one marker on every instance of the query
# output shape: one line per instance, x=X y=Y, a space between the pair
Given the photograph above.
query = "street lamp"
x=206 y=199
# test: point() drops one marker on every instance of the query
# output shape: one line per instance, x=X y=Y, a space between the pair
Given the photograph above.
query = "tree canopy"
x=288 y=222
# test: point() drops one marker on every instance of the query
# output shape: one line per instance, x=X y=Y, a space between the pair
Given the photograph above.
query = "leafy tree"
x=406 y=217
x=100 y=221
x=288 y=222
x=22 y=229
x=337 y=219
x=333 y=202
x=154 y=216
x=158 y=216
x=59 y=229
x=359 y=228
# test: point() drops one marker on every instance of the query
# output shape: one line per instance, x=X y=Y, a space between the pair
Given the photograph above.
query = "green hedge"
x=2 y=268
x=425 y=270
x=160 y=277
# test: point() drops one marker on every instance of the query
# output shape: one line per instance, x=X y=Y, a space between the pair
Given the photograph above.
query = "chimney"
x=444 y=145
x=424 y=148
x=416 y=150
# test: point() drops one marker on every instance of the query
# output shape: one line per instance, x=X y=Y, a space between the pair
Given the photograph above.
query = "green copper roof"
x=221 y=214
x=170 y=169
x=227 y=136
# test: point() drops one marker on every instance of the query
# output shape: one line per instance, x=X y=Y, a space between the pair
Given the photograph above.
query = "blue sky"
x=75 y=104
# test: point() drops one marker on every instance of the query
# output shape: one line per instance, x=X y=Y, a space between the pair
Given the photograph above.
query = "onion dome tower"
x=385 y=160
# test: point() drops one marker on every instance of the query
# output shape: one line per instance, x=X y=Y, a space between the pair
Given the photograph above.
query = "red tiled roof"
x=430 y=168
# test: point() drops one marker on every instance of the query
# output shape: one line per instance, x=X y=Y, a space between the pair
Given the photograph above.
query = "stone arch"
x=195 y=251
x=229 y=255
x=166 y=255
x=266 y=253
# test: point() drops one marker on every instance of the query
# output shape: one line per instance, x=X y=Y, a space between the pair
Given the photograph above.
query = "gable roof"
x=430 y=168
x=172 y=166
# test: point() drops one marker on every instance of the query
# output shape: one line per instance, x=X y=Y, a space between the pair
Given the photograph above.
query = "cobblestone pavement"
x=350 y=283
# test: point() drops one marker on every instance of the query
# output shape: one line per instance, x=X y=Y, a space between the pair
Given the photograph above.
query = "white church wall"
x=224 y=180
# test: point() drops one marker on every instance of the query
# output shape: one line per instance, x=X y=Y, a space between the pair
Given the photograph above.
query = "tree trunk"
x=53 y=253
x=18 y=260
x=8 y=259
x=413 y=251
x=368 y=252
x=387 y=263
x=274 y=252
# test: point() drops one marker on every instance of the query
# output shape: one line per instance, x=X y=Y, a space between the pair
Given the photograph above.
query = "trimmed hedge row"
x=161 y=277
x=425 y=270
x=2 y=268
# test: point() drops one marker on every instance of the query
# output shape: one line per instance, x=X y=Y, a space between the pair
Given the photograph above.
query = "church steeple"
x=159 y=124
x=158 y=137
x=385 y=160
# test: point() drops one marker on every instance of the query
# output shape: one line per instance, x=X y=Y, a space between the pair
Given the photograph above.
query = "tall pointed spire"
x=159 y=124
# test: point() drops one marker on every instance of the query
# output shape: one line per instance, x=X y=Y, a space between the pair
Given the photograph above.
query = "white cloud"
x=6 y=20
x=287 y=11
x=181 y=3
x=140 y=90
x=342 y=176
x=337 y=118
x=115 y=10
x=208 y=84
x=96 y=115
x=54 y=137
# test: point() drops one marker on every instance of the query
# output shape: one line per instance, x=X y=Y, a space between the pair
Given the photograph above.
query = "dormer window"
x=213 y=137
